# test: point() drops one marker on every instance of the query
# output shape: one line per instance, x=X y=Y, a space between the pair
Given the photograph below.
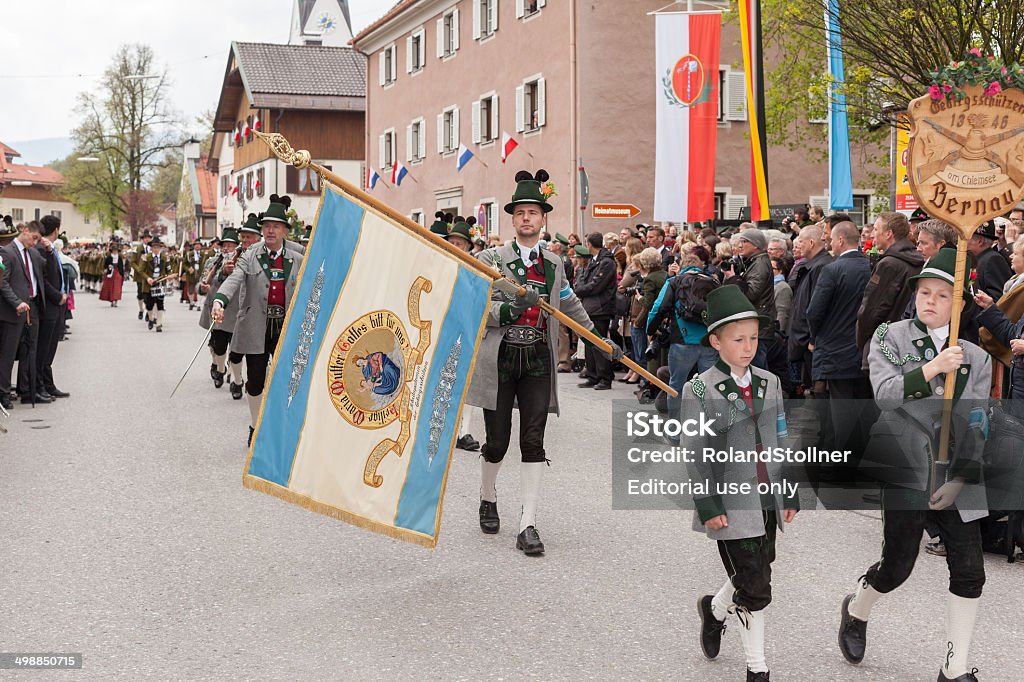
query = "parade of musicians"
x=513 y=339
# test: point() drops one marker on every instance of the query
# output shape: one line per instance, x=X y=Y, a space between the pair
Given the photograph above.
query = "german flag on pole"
x=753 y=68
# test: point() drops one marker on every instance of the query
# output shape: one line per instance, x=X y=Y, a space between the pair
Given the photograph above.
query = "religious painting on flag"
x=363 y=403
x=687 y=115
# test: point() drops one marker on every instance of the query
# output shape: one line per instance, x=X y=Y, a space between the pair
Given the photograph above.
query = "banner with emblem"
x=364 y=399
x=687 y=54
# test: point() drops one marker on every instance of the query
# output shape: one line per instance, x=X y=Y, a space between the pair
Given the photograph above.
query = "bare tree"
x=128 y=126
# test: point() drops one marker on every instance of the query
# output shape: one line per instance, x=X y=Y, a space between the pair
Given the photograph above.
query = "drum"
x=162 y=290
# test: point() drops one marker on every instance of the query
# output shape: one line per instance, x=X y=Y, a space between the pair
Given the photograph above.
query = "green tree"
x=129 y=129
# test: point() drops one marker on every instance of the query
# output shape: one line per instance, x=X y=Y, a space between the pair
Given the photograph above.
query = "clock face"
x=326 y=23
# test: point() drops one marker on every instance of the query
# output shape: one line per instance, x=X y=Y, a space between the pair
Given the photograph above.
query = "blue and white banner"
x=362 y=408
x=840 y=177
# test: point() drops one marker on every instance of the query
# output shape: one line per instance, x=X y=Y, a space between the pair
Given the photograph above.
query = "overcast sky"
x=45 y=41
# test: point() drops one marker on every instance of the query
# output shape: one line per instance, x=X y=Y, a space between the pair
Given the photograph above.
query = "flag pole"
x=302 y=159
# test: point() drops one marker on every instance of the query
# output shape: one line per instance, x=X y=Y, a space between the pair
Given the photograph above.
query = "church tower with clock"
x=320 y=22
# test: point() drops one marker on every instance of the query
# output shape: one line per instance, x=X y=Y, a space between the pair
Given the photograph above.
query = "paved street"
x=127 y=536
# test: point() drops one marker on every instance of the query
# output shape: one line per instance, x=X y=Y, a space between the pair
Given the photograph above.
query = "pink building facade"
x=573 y=83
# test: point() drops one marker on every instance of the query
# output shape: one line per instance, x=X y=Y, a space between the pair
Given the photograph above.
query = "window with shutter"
x=248 y=185
x=478 y=9
x=410 y=154
x=494 y=117
x=520 y=104
x=421 y=126
x=408 y=54
x=494 y=220
x=380 y=150
x=492 y=16
x=261 y=181
x=394 y=63
x=382 y=62
x=477 y=107
x=440 y=38
x=734 y=203
x=389 y=149
x=520 y=9
x=455 y=30
x=736 y=96
x=454 y=143
x=440 y=133
x=541 y=102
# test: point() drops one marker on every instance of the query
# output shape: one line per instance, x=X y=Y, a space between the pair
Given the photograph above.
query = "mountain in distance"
x=43 y=151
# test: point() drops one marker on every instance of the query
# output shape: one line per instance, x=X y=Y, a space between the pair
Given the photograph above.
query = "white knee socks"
x=159 y=318
x=488 y=479
x=721 y=602
x=236 y=372
x=219 y=361
x=863 y=599
x=961 y=614
x=752 y=636
x=254 y=407
x=529 y=480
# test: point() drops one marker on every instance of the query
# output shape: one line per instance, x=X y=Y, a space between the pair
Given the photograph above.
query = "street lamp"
x=88 y=159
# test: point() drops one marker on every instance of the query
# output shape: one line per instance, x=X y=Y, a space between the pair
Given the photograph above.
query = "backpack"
x=692 y=295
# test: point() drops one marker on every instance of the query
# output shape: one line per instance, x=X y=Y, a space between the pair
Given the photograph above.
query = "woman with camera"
x=629 y=287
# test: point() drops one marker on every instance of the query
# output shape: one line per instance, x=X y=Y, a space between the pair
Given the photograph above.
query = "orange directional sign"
x=615 y=211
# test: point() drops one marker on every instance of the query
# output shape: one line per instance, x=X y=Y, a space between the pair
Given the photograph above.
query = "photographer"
x=751 y=270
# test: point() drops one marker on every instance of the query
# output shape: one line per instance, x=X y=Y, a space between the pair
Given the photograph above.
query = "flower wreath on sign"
x=975 y=69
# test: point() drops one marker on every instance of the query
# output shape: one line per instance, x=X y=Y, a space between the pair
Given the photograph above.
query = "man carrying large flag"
x=264 y=278
x=516 y=355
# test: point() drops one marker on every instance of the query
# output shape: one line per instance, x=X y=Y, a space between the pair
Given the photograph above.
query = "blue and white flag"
x=372 y=176
x=840 y=178
x=363 y=404
x=464 y=156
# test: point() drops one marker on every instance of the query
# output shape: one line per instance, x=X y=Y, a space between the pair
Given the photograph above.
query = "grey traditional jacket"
x=231 y=311
x=250 y=283
x=483 y=391
x=715 y=393
x=904 y=440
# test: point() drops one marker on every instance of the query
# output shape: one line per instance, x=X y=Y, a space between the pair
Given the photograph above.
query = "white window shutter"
x=736 y=96
x=409 y=155
x=734 y=203
x=520 y=102
x=494 y=117
x=455 y=129
x=476 y=122
x=394 y=63
x=541 y=3
x=423 y=137
x=440 y=133
x=440 y=37
x=383 y=79
x=381 y=159
x=408 y=54
x=455 y=29
x=477 y=19
x=520 y=8
x=541 y=102
x=493 y=18
x=492 y=220
x=423 y=49
x=821 y=201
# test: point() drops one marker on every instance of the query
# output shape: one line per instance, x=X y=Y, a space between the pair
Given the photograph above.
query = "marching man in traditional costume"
x=153 y=267
x=745 y=404
x=516 y=358
x=221 y=267
x=908 y=362
x=263 y=280
x=136 y=263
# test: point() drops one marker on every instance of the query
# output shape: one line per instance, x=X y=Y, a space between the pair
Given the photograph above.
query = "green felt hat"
x=582 y=251
x=442 y=222
x=275 y=212
x=251 y=224
x=919 y=216
x=229 y=235
x=561 y=239
x=8 y=232
x=728 y=304
x=528 y=191
x=157 y=241
x=463 y=227
x=943 y=267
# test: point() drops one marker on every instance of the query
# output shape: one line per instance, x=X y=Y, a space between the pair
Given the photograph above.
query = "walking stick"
x=206 y=339
x=302 y=159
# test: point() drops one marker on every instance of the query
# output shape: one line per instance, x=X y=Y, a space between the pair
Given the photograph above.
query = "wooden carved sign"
x=966 y=156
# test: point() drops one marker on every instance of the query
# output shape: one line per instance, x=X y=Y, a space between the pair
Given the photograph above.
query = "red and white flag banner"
x=687 y=59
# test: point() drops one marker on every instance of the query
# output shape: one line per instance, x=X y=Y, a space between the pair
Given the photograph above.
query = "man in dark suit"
x=21 y=300
x=55 y=290
x=832 y=320
x=991 y=266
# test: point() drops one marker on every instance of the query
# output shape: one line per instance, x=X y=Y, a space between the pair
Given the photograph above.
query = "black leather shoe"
x=57 y=393
x=40 y=398
x=236 y=390
x=853 y=634
x=467 y=442
x=6 y=402
x=159 y=327
x=251 y=431
x=529 y=542
x=589 y=383
x=152 y=323
x=489 y=522
x=213 y=371
x=603 y=386
x=218 y=379
x=140 y=314
x=711 y=628
x=966 y=677
x=758 y=677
